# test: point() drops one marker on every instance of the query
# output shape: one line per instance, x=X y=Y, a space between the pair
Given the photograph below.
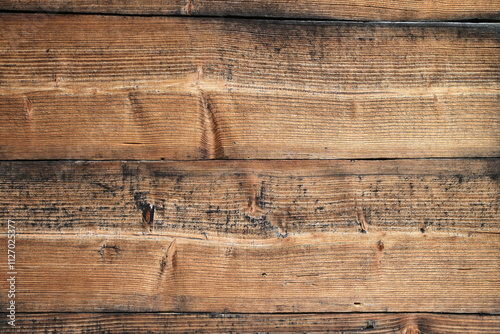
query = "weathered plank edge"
x=271 y=323
x=321 y=10
x=253 y=199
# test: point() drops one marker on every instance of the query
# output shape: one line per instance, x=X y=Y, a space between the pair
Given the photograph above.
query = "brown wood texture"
x=251 y=199
x=257 y=323
x=187 y=88
x=317 y=176
x=406 y=10
x=327 y=272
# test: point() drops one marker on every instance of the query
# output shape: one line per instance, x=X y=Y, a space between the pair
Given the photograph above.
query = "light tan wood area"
x=182 y=88
x=401 y=10
x=349 y=272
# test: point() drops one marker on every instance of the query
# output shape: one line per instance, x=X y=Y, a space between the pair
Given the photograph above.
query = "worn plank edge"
x=173 y=322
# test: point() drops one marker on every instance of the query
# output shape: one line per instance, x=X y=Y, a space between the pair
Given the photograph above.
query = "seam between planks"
x=250 y=17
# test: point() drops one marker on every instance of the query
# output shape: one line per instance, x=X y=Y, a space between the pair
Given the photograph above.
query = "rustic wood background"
x=251 y=166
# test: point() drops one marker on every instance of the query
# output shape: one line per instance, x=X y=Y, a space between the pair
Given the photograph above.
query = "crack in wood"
x=211 y=143
x=168 y=260
x=29 y=107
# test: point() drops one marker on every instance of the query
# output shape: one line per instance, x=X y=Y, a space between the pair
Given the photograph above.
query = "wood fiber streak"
x=351 y=272
x=192 y=88
x=426 y=10
x=255 y=323
x=251 y=199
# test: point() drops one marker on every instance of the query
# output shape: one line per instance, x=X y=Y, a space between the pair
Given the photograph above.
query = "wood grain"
x=150 y=323
x=191 y=88
x=350 y=272
x=251 y=199
x=429 y=10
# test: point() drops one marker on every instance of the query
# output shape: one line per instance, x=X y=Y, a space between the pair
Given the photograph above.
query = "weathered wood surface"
x=186 y=88
x=349 y=272
x=429 y=10
x=252 y=199
x=256 y=323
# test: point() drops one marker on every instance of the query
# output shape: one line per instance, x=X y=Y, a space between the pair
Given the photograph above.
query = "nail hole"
x=357 y=304
x=264 y=274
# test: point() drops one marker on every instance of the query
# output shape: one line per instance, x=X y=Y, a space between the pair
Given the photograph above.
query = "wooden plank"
x=255 y=323
x=251 y=199
x=319 y=9
x=350 y=272
x=186 y=88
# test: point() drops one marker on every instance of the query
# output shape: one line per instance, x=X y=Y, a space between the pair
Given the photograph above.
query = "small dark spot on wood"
x=163 y=264
x=423 y=228
x=370 y=324
x=148 y=210
x=264 y=274
x=380 y=245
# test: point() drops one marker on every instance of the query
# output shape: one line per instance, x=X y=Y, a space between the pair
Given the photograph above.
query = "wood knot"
x=109 y=252
x=147 y=209
x=410 y=329
x=148 y=216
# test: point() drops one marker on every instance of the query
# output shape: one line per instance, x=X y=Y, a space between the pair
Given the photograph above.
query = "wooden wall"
x=251 y=166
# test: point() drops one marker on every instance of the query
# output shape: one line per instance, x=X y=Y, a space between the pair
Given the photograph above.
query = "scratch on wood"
x=57 y=80
x=380 y=253
x=168 y=260
x=29 y=106
x=362 y=220
x=189 y=7
x=253 y=209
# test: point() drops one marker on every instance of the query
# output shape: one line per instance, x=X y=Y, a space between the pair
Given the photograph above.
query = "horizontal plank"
x=251 y=199
x=351 y=272
x=446 y=10
x=253 y=323
x=191 y=88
